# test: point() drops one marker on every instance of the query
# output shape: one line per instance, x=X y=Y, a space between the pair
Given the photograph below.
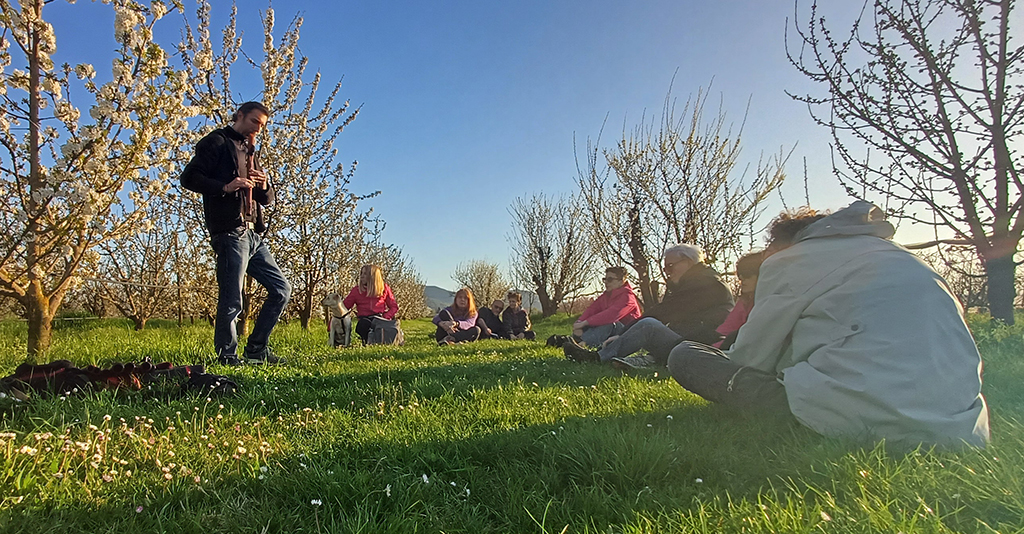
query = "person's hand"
x=448 y=326
x=236 y=184
x=257 y=178
x=609 y=340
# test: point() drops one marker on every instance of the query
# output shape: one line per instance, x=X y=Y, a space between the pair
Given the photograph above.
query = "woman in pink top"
x=747 y=268
x=371 y=298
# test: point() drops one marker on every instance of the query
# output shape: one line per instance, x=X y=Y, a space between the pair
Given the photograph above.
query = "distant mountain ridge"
x=439 y=297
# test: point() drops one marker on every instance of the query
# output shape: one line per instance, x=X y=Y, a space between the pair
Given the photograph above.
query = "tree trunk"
x=547 y=305
x=306 y=311
x=1001 y=291
x=40 y=327
x=641 y=263
x=140 y=323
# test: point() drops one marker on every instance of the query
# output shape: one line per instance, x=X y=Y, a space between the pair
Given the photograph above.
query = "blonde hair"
x=375 y=284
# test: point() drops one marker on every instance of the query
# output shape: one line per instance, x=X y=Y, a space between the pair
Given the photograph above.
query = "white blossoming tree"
x=551 y=249
x=483 y=278
x=924 y=100
x=674 y=181
x=316 y=229
x=318 y=225
x=68 y=183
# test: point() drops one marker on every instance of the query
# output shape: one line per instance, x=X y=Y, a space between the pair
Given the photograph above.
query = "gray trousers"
x=708 y=372
x=594 y=336
x=647 y=333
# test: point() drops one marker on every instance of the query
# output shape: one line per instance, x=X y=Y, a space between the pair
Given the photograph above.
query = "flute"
x=251 y=163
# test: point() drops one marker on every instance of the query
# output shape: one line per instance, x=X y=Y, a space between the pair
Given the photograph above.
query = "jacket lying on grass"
x=61 y=377
x=867 y=339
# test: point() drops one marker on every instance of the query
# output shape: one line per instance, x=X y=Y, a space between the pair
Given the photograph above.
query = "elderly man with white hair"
x=695 y=304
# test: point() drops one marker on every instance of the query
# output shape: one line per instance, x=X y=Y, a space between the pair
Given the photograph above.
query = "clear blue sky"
x=468 y=104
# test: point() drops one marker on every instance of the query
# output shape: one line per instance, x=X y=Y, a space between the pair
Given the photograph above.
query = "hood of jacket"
x=859 y=218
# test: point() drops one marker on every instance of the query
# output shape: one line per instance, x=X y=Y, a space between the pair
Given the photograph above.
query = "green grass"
x=510 y=438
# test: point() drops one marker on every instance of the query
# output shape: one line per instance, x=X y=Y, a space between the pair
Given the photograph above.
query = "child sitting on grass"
x=515 y=319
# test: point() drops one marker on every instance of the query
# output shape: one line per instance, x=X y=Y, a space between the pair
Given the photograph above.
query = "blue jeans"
x=242 y=251
x=647 y=333
x=593 y=336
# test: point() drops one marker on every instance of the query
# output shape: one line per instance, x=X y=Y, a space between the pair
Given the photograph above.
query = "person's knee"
x=680 y=362
x=286 y=290
x=647 y=322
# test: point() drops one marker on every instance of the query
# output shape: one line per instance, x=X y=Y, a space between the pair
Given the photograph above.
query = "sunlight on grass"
x=494 y=436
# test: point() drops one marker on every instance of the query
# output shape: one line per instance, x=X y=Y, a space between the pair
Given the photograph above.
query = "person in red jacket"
x=611 y=314
x=371 y=298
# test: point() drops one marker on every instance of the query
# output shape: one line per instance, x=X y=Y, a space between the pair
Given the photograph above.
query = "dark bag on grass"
x=385 y=332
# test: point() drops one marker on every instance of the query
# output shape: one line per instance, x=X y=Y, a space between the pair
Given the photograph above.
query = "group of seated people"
x=462 y=322
x=836 y=326
x=372 y=299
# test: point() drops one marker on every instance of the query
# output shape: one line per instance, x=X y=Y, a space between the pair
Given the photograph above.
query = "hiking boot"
x=556 y=340
x=265 y=356
x=576 y=353
x=230 y=360
x=633 y=363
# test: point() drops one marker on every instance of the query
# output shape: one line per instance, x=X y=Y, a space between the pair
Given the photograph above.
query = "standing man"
x=234 y=193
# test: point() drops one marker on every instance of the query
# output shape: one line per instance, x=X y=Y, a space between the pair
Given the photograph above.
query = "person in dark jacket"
x=695 y=303
x=235 y=191
x=489 y=321
x=515 y=319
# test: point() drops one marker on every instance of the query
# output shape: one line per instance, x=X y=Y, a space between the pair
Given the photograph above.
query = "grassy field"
x=494 y=436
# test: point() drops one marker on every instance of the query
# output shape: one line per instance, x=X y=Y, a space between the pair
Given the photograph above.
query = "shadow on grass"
x=591 y=471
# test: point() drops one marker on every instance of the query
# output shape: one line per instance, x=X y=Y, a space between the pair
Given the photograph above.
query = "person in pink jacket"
x=747 y=268
x=371 y=298
x=611 y=314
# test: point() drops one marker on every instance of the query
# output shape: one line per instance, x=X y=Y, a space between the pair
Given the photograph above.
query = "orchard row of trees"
x=90 y=201
x=671 y=180
x=924 y=101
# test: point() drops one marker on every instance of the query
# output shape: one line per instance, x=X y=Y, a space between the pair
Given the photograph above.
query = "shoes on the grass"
x=576 y=353
x=557 y=340
x=265 y=356
x=633 y=363
x=448 y=340
x=231 y=360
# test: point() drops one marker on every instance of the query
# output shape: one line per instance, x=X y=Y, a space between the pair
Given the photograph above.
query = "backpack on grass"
x=385 y=332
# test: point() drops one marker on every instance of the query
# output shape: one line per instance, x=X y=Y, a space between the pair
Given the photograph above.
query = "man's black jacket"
x=695 y=306
x=492 y=321
x=213 y=166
